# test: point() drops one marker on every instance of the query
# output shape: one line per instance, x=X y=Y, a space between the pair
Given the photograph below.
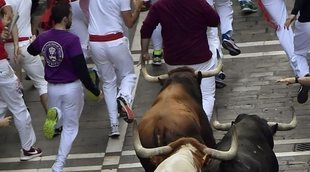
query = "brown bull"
x=176 y=112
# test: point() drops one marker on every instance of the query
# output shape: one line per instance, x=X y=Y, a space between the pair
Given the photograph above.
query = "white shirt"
x=105 y=16
x=79 y=24
x=23 y=9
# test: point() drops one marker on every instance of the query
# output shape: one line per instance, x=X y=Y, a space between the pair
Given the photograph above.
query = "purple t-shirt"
x=58 y=47
x=184 y=25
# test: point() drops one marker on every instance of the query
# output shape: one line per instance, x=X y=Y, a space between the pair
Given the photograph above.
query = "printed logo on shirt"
x=53 y=53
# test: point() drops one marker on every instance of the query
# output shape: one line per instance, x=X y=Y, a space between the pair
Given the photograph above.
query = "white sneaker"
x=30 y=154
x=58 y=166
x=114 y=131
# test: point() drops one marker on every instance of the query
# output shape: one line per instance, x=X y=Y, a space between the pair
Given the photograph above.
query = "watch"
x=296 y=79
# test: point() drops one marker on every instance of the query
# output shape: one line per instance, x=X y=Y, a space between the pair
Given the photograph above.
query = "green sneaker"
x=157 y=56
x=248 y=7
x=50 y=123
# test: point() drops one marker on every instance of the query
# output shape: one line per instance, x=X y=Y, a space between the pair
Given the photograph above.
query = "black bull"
x=176 y=112
x=255 y=146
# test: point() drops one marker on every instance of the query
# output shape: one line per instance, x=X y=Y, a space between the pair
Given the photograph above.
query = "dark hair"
x=59 y=11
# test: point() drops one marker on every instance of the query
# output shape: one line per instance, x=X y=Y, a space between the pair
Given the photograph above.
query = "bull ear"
x=199 y=77
x=274 y=129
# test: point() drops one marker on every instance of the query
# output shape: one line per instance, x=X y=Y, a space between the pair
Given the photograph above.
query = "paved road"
x=251 y=89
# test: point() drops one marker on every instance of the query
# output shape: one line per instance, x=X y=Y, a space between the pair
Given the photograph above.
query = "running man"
x=32 y=65
x=112 y=56
x=65 y=70
x=11 y=97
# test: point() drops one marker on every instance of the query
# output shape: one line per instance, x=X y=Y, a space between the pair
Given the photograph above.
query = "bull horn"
x=207 y=73
x=225 y=155
x=146 y=152
x=220 y=126
x=148 y=77
x=286 y=126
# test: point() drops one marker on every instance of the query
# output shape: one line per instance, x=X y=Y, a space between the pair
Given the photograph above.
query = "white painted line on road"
x=291 y=154
x=80 y=168
x=109 y=170
x=132 y=152
x=111 y=160
x=131 y=165
x=258 y=43
x=53 y=157
x=257 y=54
x=86 y=155
x=128 y=153
x=121 y=166
x=83 y=168
x=291 y=141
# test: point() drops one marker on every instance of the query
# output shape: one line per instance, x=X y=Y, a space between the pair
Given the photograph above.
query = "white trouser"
x=69 y=103
x=225 y=11
x=214 y=42
x=302 y=46
x=11 y=98
x=157 y=39
x=79 y=27
x=213 y=38
x=277 y=11
x=31 y=64
x=207 y=84
x=116 y=69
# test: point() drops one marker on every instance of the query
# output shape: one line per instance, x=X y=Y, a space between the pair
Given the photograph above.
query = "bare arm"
x=297 y=6
x=145 y=48
x=18 y=69
x=15 y=39
x=305 y=81
x=7 y=14
x=130 y=17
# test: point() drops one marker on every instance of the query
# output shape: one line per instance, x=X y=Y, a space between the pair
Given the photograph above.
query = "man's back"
x=184 y=24
x=105 y=16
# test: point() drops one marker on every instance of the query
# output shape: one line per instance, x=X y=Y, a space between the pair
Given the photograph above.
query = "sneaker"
x=219 y=83
x=50 y=123
x=114 y=131
x=58 y=166
x=32 y=153
x=221 y=75
x=302 y=95
x=248 y=7
x=125 y=110
x=229 y=44
x=157 y=59
x=145 y=6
